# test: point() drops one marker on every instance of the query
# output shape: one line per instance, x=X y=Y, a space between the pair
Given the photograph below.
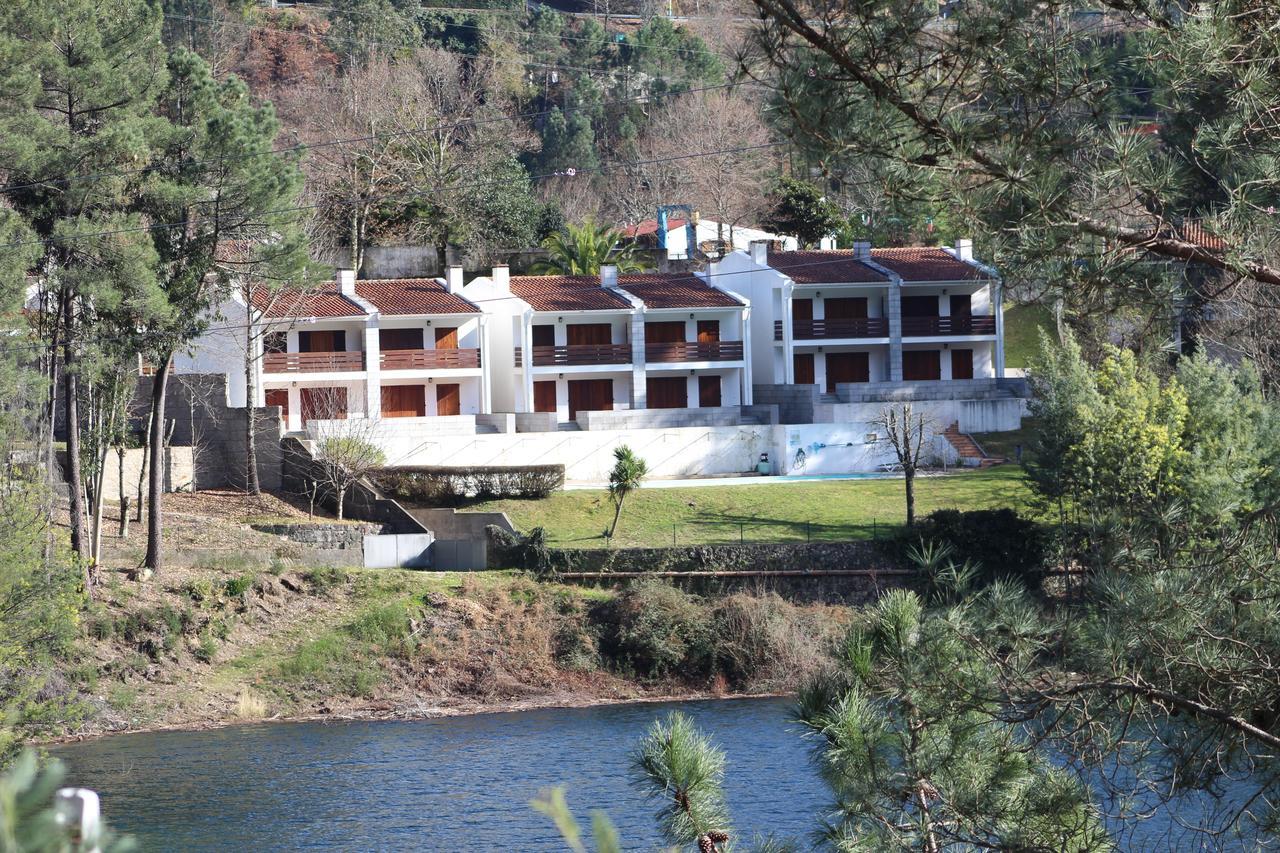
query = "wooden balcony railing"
x=866 y=327
x=578 y=354
x=312 y=362
x=694 y=351
x=959 y=325
x=428 y=359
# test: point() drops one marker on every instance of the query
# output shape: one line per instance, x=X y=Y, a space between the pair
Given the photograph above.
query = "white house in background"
x=389 y=348
x=869 y=316
x=574 y=344
x=705 y=230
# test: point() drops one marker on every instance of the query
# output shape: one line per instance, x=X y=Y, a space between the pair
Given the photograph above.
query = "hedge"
x=443 y=486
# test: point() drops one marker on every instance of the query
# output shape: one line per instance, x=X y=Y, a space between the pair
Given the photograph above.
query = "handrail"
x=578 y=354
x=312 y=362
x=693 y=351
x=429 y=359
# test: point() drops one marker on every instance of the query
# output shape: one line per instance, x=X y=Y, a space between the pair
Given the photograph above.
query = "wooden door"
x=962 y=364
x=448 y=399
x=845 y=308
x=664 y=333
x=844 y=367
x=544 y=335
x=589 y=334
x=803 y=364
x=404 y=401
x=333 y=340
x=962 y=306
x=708 y=331
x=667 y=393
x=921 y=365
x=804 y=368
x=446 y=338
x=590 y=395
x=544 y=396
x=802 y=310
x=279 y=397
x=400 y=339
x=323 y=404
x=919 y=306
x=708 y=391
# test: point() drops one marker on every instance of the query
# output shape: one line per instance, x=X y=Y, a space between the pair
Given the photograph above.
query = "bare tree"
x=907 y=431
x=346 y=449
x=728 y=186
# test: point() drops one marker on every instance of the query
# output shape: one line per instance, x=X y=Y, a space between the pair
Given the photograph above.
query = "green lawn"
x=833 y=511
x=1022 y=325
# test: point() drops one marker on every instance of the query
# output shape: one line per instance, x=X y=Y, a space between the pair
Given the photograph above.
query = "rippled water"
x=460 y=783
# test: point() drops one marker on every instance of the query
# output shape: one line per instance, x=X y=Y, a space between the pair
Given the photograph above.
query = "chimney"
x=608 y=275
x=760 y=252
x=347 y=282
x=862 y=249
x=827 y=243
x=964 y=249
x=502 y=277
x=453 y=279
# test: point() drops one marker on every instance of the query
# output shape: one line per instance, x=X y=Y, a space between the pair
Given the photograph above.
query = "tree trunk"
x=252 y=484
x=342 y=499
x=75 y=484
x=909 y=477
x=142 y=470
x=617 y=513
x=155 y=509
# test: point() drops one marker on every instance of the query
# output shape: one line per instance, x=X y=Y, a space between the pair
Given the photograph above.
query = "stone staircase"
x=971 y=453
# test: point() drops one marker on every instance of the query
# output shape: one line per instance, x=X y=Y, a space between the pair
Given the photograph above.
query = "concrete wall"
x=218 y=430
x=448 y=523
x=795 y=402
x=179 y=472
x=395 y=551
x=299 y=470
x=674 y=418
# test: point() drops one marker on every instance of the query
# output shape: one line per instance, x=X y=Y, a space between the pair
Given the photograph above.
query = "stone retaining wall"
x=785 y=556
x=325 y=537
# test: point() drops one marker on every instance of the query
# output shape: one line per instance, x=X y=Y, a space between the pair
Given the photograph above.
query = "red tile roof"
x=323 y=300
x=926 y=264
x=650 y=226
x=412 y=296
x=567 y=293
x=836 y=266
x=675 y=290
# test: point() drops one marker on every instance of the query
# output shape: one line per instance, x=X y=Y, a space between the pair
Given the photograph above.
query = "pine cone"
x=705 y=844
x=718 y=836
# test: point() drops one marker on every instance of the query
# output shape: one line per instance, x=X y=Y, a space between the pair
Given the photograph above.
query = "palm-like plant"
x=583 y=249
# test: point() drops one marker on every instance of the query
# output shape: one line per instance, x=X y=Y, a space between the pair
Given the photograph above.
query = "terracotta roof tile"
x=567 y=293
x=675 y=290
x=650 y=226
x=824 y=267
x=919 y=263
x=324 y=300
x=412 y=296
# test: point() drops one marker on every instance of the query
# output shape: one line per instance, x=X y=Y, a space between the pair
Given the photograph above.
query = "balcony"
x=428 y=359
x=865 y=327
x=578 y=355
x=700 y=351
x=312 y=362
x=920 y=327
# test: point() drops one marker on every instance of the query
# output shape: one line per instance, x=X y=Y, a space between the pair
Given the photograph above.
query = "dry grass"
x=250 y=706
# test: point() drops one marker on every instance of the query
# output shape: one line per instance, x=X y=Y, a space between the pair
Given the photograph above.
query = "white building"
x=575 y=344
x=869 y=316
x=705 y=230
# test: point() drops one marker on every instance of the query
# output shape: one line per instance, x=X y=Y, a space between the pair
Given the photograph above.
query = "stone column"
x=894 y=307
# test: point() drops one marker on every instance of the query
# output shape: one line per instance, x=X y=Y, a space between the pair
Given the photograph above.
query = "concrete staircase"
x=971 y=453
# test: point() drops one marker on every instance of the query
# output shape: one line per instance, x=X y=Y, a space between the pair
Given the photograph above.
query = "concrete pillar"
x=895 y=329
x=373 y=369
x=745 y=394
x=639 y=393
x=788 y=344
x=524 y=335
x=486 y=366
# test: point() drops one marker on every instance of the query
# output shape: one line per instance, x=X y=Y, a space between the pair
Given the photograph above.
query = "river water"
x=458 y=783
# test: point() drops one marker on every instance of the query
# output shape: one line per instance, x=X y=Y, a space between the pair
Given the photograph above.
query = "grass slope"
x=1022 y=325
x=823 y=511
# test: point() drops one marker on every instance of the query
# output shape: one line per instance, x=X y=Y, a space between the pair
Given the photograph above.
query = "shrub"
x=999 y=541
x=655 y=630
x=765 y=642
x=238 y=586
x=198 y=591
x=206 y=648
x=443 y=486
x=325 y=579
x=381 y=626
